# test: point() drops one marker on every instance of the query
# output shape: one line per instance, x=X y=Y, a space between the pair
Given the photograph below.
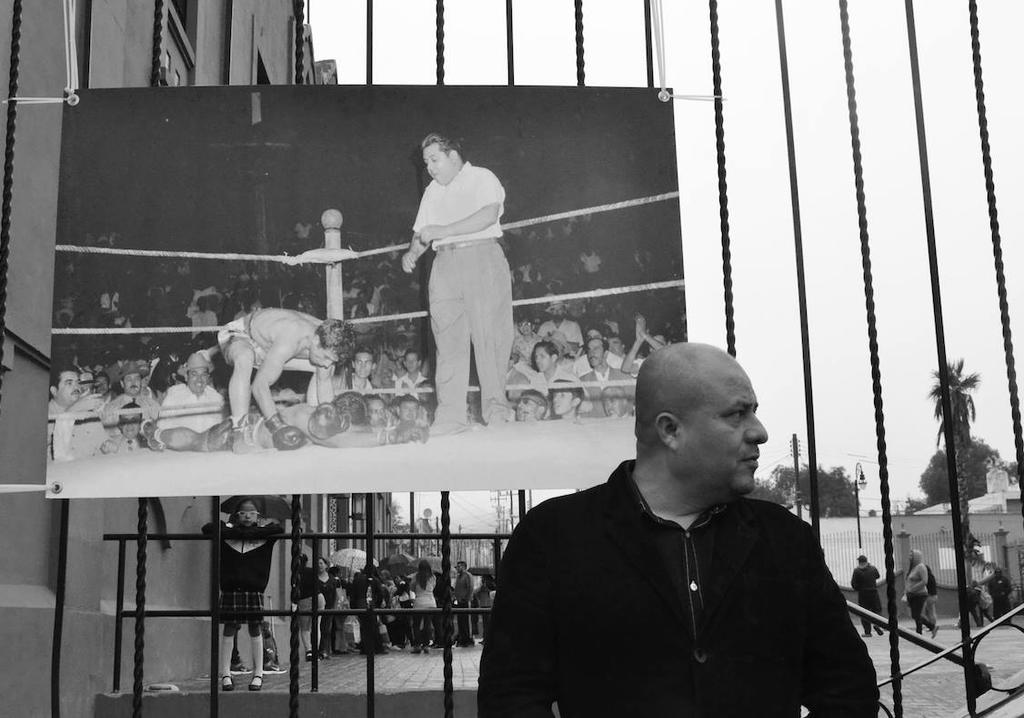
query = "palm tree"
x=962 y=407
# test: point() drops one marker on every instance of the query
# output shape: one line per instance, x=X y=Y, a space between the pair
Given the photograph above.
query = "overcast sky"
x=767 y=319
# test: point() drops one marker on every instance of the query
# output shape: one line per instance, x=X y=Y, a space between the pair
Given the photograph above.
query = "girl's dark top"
x=245 y=555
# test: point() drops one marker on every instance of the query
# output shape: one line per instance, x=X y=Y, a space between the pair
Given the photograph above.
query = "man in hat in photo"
x=70 y=438
x=470 y=283
x=560 y=322
x=196 y=391
x=133 y=390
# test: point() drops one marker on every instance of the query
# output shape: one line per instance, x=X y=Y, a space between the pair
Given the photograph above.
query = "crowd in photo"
x=125 y=388
x=117 y=399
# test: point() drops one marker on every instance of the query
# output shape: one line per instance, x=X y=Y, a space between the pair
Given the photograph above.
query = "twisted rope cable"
x=580 y=69
x=298 y=9
x=997 y=248
x=8 y=186
x=293 y=641
x=723 y=187
x=439 y=34
x=158 y=42
x=140 y=607
x=876 y=374
x=960 y=518
x=510 y=44
x=446 y=613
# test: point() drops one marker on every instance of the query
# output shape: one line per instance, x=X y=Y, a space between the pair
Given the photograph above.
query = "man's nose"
x=757 y=433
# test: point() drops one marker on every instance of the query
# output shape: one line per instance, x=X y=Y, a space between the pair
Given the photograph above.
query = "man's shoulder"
x=771 y=514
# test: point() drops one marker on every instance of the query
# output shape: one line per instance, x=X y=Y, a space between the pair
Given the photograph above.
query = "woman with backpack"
x=916 y=593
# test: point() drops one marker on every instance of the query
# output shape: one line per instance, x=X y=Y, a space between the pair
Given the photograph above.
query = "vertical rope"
x=369 y=508
x=940 y=345
x=876 y=373
x=300 y=37
x=580 y=71
x=140 y=607
x=649 y=43
x=293 y=642
x=801 y=285
x=723 y=187
x=8 y=188
x=215 y=544
x=997 y=248
x=446 y=613
x=510 y=57
x=58 y=610
x=158 y=43
x=369 y=42
x=439 y=22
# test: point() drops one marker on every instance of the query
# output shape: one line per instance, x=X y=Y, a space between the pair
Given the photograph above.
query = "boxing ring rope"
x=353 y=254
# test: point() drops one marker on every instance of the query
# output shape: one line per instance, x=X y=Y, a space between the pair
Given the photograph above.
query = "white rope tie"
x=320 y=256
x=70 y=65
x=631 y=289
x=658 y=20
x=22 y=488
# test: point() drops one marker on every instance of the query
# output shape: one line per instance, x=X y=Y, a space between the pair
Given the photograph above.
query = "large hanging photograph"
x=327 y=289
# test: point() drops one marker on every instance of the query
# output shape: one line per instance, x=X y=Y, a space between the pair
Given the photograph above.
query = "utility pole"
x=796 y=478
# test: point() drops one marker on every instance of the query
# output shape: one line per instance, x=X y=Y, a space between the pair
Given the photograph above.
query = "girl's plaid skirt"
x=231 y=602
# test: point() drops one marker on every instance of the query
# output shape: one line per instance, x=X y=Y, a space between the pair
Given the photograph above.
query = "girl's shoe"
x=309 y=655
x=226 y=683
x=256 y=683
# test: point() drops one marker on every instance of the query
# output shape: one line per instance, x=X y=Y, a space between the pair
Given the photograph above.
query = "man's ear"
x=668 y=427
x=53 y=392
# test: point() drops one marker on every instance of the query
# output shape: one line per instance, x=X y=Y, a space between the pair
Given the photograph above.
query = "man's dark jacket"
x=585 y=616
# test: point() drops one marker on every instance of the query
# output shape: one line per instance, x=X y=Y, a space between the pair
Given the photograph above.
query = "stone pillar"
x=331 y=221
x=902 y=548
x=999 y=556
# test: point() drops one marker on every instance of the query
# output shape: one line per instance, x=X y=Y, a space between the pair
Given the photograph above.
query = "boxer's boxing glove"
x=285 y=437
x=218 y=437
x=327 y=421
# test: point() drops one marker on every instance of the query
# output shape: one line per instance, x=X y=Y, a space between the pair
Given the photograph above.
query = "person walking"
x=917 y=592
x=999 y=588
x=865 y=582
x=422 y=624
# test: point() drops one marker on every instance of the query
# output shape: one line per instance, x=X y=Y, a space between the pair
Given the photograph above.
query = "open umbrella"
x=269 y=506
x=352 y=559
x=399 y=563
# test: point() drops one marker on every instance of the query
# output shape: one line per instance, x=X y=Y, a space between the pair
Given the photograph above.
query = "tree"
x=835 y=489
x=961 y=406
x=935 y=479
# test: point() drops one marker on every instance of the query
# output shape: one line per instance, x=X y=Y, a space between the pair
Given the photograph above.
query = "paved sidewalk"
x=938 y=690
x=933 y=692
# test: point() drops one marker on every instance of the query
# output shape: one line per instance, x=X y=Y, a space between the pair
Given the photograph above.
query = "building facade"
x=204 y=42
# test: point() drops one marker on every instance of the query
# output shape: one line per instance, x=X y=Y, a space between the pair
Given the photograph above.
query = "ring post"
x=331 y=221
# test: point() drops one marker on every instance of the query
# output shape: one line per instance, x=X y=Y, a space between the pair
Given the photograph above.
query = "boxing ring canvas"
x=194 y=199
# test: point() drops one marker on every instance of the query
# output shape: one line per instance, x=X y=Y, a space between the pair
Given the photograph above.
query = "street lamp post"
x=859 y=482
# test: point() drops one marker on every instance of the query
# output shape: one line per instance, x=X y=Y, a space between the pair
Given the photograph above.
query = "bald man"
x=725 y=602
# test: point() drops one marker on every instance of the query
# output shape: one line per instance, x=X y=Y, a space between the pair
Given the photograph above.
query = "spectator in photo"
x=70 y=438
x=127 y=439
x=101 y=386
x=616 y=351
x=526 y=337
x=517 y=377
x=413 y=378
x=197 y=390
x=565 y=401
x=560 y=322
x=631 y=363
x=546 y=368
x=423 y=585
x=133 y=390
x=616 y=401
x=461 y=597
x=600 y=373
x=246 y=553
x=363 y=365
x=532 y=406
x=413 y=422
